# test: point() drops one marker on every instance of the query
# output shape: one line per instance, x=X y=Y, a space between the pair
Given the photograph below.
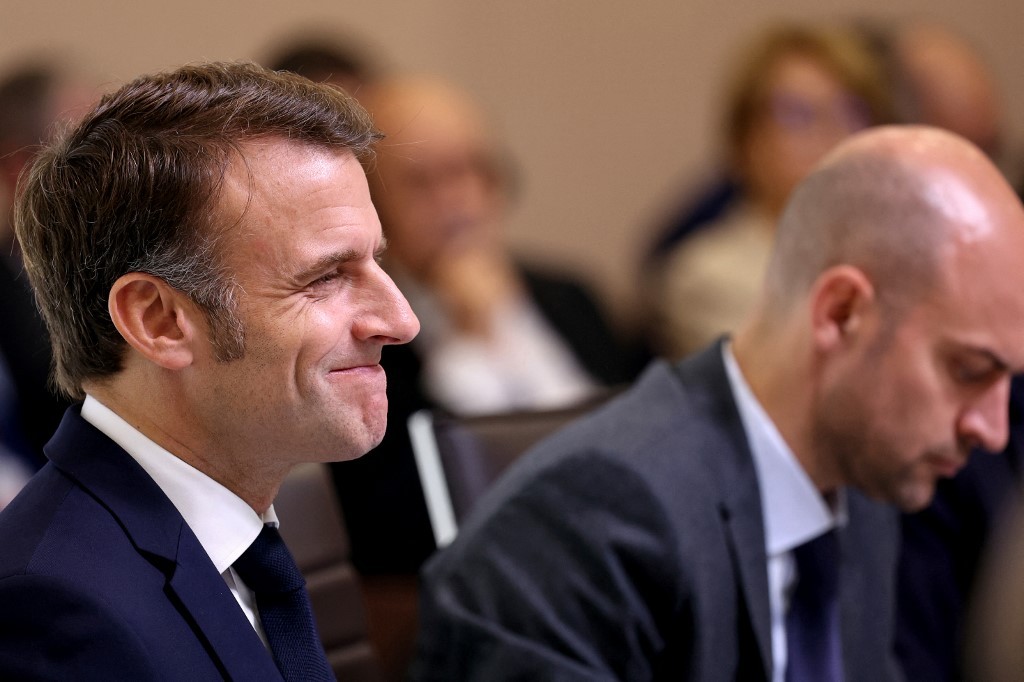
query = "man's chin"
x=908 y=496
x=372 y=435
x=347 y=443
x=915 y=498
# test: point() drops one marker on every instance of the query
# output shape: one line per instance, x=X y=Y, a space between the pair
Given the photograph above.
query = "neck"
x=158 y=416
x=780 y=372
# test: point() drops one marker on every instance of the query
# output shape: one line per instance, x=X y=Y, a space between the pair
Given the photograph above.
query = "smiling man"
x=715 y=522
x=204 y=252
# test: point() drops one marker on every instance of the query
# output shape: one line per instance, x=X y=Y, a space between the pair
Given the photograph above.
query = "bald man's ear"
x=842 y=300
x=156 y=320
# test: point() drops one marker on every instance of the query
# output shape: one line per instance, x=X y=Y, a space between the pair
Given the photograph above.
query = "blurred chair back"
x=313 y=528
x=458 y=458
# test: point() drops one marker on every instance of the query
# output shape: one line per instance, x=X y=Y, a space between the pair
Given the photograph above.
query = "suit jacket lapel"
x=204 y=594
x=746 y=536
x=740 y=506
x=161 y=535
x=868 y=546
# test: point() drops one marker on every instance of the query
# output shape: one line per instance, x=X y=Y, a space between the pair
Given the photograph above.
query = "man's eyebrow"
x=333 y=260
x=327 y=262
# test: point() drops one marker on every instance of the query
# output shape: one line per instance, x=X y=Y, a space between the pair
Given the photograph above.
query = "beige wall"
x=608 y=106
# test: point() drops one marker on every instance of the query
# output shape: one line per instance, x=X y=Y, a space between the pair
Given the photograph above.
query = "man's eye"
x=972 y=373
x=325 y=279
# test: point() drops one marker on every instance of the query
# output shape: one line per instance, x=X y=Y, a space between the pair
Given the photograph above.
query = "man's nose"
x=985 y=422
x=390 y=318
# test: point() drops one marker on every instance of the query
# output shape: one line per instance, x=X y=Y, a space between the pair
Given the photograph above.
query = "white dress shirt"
x=793 y=510
x=224 y=524
x=522 y=364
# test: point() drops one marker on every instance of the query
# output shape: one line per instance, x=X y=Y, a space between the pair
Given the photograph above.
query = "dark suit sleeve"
x=568 y=579
x=51 y=631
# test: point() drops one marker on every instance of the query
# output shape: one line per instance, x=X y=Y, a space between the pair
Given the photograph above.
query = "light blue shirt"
x=792 y=508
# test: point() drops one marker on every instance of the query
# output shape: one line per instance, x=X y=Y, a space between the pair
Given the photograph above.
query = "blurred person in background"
x=497 y=334
x=941 y=79
x=36 y=98
x=322 y=60
x=798 y=90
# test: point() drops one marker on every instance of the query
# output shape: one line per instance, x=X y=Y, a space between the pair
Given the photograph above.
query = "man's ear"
x=842 y=298
x=156 y=319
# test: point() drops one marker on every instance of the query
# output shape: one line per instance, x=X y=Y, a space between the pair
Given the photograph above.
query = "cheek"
x=903 y=437
x=922 y=409
x=896 y=429
x=278 y=353
x=318 y=332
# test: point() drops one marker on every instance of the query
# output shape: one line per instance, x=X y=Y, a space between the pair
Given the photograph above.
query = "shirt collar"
x=222 y=522
x=793 y=509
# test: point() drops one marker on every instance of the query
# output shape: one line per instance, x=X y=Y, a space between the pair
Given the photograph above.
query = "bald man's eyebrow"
x=992 y=364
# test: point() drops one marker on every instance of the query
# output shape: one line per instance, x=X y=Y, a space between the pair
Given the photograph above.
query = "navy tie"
x=812 y=622
x=267 y=568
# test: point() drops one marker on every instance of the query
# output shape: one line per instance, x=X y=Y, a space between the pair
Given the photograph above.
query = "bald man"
x=671 y=535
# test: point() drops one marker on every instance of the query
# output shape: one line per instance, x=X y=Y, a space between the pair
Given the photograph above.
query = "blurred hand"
x=472 y=280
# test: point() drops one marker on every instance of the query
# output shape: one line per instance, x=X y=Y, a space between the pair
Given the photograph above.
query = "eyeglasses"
x=798 y=114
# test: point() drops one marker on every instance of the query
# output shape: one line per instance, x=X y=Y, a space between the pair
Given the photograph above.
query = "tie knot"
x=267 y=566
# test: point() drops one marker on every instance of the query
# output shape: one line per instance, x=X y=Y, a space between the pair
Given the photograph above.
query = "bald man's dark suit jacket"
x=101 y=579
x=630 y=546
x=381 y=494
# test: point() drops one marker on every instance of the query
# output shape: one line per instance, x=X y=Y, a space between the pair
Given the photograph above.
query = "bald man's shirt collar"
x=792 y=509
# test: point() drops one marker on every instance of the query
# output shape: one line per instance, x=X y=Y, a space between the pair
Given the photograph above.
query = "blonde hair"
x=844 y=52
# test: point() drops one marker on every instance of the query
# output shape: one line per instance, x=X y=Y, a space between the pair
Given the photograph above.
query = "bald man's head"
x=894 y=314
x=890 y=202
